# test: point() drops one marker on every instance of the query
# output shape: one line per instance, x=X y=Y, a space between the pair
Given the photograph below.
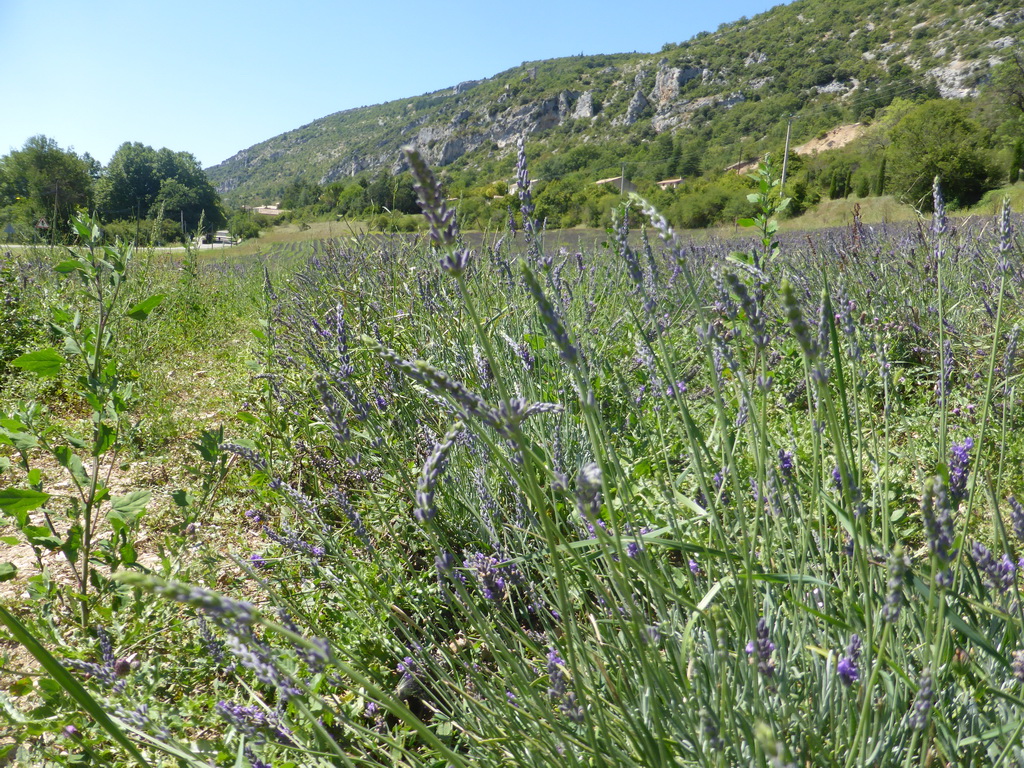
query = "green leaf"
x=8 y=571
x=182 y=498
x=21 y=687
x=34 y=476
x=41 y=536
x=10 y=541
x=71 y=462
x=104 y=439
x=5 y=464
x=68 y=683
x=745 y=222
x=133 y=503
x=15 y=501
x=72 y=543
x=68 y=266
x=44 y=362
x=128 y=554
x=141 y=310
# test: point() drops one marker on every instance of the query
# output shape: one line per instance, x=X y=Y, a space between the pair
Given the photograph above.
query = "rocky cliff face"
x=608 y=97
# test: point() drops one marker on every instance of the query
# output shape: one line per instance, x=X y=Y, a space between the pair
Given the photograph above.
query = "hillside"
x=723 y=96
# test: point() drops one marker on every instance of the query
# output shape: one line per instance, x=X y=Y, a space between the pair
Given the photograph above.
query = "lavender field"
x=649 y=503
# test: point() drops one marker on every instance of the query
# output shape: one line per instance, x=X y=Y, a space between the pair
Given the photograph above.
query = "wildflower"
x=709 y=727
x=523 y=185
x=761 y=648
x=1017 y=519
x=290 y=539
x=430 y=196
x=254 y=722
x=251 y=455
x=999 y=574
x=899 y=567
x=754 y=315
x=847 y=667
x=433 y=468
x=588 y=489
x=556 y=675
x=797 y=323
x=959 y=467
x=786 y=464
x=493 y=575
x=923 y=702
x=937 y=514
x=258 y=561
x=1017 y=665
x=258 y=658
x=571 y=708
x=1005 y=237
x=566 y=350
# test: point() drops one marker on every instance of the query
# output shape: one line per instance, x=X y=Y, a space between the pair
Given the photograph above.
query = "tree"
x=141 y=181
x=1008 y=80
x=937 y=138
x=43 y=181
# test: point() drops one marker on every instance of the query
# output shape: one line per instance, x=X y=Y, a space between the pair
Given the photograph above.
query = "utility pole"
x=622 y=179
x=785 y=156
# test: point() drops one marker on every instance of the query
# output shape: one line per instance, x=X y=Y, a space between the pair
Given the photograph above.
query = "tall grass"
x=638 y=505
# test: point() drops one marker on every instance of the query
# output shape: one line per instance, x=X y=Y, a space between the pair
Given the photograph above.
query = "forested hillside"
x=689 y=111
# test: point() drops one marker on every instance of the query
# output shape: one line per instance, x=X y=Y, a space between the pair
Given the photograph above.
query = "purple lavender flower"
x=761 y=648
x=847 y=667
x=251 y=455
x=786 y=464
x=254 y=655
x=439 y=216
x=431 y=473
x=837 y=480
x=1017 y=519
x=959 y=468
x=258 y=561
x=566 y=350
x=999 y=574
x=588 y=490
x=255 y=723
x=493 y=575
x=937 y=514
x=923 y=702
x=1017 y=665
x=1005 y=237
x=290 y=539
x=709 y=727
x=556 y=675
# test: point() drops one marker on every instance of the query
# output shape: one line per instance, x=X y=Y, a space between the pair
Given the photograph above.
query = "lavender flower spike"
x=431 y=473
x=847 y=667
x=959 y=467
x=431 y=199
x=566 y=350
x=761 y=649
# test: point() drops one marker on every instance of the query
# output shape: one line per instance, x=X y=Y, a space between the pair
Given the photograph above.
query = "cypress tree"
x=1016 y=161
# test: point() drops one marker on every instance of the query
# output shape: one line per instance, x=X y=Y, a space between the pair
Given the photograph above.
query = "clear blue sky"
x=217 y=76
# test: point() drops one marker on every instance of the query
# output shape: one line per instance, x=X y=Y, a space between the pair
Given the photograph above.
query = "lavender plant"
x=686 y=518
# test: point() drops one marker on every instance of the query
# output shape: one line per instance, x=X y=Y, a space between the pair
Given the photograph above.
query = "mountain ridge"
x=737 y=85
